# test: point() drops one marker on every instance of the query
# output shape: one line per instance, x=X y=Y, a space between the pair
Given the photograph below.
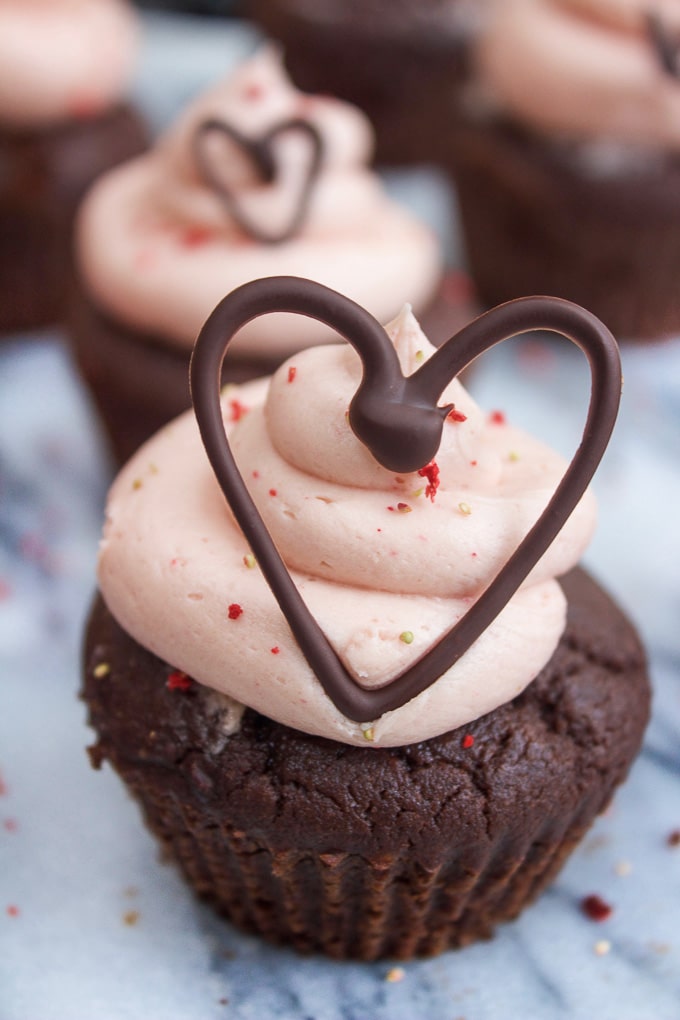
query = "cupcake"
x=567 y=165
x=411 y=764
x=255 y=179
x=64 y=65
x=402 y=63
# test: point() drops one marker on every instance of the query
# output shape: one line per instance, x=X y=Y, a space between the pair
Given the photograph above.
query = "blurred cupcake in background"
x=401 y=61
x=64 y=68
x=568 y=164
x=255 y=179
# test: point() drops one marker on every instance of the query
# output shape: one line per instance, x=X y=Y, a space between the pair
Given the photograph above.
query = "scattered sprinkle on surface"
x=465 y=509
x=595 y=908
x=130 y=917
x=674 y=838
x=102 y=669
x=13 y=910
x=234 y=611
x=137 y=484
x=497 y=418
x=407 y=637
x=249 y=561
x=275 y=650
x=623 y=868
x=292 y=372
x=602 y=947
x=467 y=741
x=395 y=975
x=369 y=734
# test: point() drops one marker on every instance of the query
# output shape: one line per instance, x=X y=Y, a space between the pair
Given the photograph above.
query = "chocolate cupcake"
x=255 y=179
x=568 y=165
x=63 y=121
x=413 y=768
x=402 y=62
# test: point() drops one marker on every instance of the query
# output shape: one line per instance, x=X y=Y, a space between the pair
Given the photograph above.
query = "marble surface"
x=93 y=927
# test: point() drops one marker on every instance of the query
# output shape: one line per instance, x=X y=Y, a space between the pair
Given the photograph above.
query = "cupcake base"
x=369 y=853
x=402 y=65
x=544 y=219
x=44 y=174
x=139 y=382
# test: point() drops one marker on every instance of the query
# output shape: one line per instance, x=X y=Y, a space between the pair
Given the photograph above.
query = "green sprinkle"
x=465 y=509
x=249 y=561
x=407 y=637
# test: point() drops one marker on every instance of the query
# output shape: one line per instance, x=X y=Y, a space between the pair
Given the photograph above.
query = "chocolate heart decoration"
x=398 y=419
x=665 y=47
x=260 y=151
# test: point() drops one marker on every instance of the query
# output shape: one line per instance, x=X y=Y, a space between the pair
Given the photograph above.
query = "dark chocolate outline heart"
x=666 y=50
x=259 y=151
x=385 y=410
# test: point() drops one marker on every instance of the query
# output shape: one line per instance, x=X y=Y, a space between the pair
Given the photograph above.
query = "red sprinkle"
x=13 y=911
x=237 y=411
x=234 y=611
x=497 y=418
x=193 y=237
x=467 y=741
x=82 y=105
x=178 y=681
x=674 y=838
x=292 y=372
x=272 y=492
x=5 y=590
x=473 y=463
x=256 y=474
x=455 y=415
x=275 y=650
x=10 y=824
x=431 y=472
x=253 y=91
x=595 y=908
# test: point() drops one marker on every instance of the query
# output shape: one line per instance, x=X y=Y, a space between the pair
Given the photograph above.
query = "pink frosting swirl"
x=159 y=248
x=61 y=59
x=386 y=563
x=583 y=68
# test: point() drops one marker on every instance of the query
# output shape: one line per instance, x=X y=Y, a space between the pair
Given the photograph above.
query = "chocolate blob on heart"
x=261 y=152
x=665 y=47
x=399 y=420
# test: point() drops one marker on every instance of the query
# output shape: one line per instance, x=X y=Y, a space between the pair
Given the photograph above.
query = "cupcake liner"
x=348 y=906
x=285 y=834
x=537 y=220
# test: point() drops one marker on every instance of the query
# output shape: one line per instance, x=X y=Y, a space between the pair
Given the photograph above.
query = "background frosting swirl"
x=584 y=69
x=370 y=571
x=61 y=59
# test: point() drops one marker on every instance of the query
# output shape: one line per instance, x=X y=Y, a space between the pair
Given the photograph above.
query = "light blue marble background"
x=75 y=862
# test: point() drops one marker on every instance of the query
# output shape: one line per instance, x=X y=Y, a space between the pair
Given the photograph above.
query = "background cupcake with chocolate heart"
x=254 y=179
